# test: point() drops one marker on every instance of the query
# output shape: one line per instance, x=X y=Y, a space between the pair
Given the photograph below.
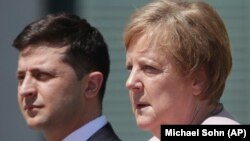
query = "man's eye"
x=41 y=76
x=20 y=78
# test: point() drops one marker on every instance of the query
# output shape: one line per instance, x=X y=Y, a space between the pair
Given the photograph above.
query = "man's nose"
x=27 y=87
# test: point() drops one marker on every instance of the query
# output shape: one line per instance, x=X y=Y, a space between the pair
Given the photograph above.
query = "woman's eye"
x=150 y=69
x=129 y=68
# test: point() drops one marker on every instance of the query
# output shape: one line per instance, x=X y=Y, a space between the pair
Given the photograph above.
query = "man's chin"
x=34 y=123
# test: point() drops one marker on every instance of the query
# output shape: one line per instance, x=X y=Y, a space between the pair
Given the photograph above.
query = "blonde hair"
x=194 y=35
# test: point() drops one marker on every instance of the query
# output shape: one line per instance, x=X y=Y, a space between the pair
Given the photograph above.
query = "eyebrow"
x=34 y=70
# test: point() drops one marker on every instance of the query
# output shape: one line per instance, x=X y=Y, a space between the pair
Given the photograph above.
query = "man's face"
x=49 y=92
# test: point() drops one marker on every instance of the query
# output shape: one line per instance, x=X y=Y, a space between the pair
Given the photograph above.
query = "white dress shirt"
x=87 y=130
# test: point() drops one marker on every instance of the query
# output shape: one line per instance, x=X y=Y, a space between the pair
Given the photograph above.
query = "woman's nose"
x=134 y=81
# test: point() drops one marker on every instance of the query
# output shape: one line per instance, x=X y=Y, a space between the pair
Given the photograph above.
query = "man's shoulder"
x=105 y=133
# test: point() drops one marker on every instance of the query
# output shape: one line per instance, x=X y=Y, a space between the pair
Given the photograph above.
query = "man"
x=62 y=71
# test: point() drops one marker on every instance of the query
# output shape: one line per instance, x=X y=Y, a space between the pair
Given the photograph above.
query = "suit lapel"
x=106 y=133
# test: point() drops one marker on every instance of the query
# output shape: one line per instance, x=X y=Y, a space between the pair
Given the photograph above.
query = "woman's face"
x=158 y=94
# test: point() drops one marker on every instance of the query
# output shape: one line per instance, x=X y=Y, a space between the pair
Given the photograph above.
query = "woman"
x=178 y=54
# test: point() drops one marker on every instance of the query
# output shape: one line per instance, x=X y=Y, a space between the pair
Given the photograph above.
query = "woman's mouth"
x=142 y=105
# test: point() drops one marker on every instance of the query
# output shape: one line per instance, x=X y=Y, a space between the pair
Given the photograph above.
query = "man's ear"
x=199 y=80
x=94 y=83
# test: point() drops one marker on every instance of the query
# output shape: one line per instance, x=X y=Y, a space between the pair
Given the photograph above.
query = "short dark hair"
x=86 y=48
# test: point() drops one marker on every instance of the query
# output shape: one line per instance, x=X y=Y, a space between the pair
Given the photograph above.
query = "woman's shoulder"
x=222 y=118
x=154 y=138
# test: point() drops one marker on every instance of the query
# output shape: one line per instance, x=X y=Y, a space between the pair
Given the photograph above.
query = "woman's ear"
x=94 y=83
x=199 y=80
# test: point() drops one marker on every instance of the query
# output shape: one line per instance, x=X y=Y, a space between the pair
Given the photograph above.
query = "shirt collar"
x=87 y=130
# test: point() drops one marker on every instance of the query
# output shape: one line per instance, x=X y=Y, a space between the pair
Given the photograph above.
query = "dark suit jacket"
x=106 y=133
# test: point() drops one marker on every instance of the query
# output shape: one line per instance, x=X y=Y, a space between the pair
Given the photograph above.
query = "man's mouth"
x=30 y=107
